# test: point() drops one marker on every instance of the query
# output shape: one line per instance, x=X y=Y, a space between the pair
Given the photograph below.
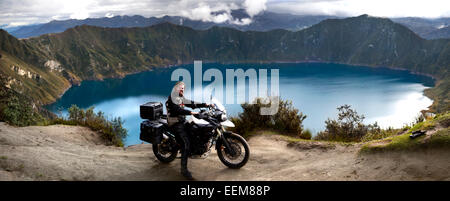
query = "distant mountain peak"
x=264 y=21
x=363 y=16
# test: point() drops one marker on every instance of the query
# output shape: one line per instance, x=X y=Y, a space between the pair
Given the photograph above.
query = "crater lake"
x=390 y=97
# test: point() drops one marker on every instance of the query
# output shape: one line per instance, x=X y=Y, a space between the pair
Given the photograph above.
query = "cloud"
x=109 y=15
x=79 y=15
x=381 y=8
x=243 y=21
x=13 y=12
x=206 y=13
x=219 y=12
x=253 y=7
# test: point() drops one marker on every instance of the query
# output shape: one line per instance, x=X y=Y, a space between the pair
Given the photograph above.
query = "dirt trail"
x=76 y=153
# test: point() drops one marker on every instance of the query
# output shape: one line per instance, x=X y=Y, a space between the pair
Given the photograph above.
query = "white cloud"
x=218 y=12
x=202 y=12
x=253 y=7
x=381 y=8
x=243 y=21
x=79 y=15
x=13 y=12
x=109 y=15
x=221 y=18
x=57 y=17
x=15 y=24
x=41 y=11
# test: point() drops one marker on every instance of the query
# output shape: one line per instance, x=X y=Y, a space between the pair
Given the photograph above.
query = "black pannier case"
x=151 y=132
x=151 y=110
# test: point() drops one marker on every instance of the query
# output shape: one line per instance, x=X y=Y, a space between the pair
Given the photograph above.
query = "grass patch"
x=426 y=125
x=440 y=139
x=442 y=120
x=382 y=133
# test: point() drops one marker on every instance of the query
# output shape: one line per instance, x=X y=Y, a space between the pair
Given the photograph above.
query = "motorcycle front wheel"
x=165 y=151
x=239 y=156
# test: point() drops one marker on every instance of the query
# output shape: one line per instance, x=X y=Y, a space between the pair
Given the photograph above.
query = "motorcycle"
x=206 y=129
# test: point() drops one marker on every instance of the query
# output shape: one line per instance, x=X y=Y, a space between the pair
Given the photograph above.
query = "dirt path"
x=76 y=153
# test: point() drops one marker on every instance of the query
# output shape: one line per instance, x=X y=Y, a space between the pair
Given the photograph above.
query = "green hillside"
x=87 y=52
x=94 y=52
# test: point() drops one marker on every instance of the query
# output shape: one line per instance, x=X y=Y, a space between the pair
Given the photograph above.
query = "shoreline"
x=435 y=79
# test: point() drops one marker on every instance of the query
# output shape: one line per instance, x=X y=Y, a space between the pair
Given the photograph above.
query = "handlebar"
x=203 y=112
x=200 y=115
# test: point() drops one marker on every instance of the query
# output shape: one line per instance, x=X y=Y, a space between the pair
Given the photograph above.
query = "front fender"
x=227 y=123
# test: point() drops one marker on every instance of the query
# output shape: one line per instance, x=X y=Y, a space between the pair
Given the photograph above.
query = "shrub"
x=111 y=130
x=347 y=128
x=76 y=114
x=17 y=109
x=306 y=134
x=287 y=120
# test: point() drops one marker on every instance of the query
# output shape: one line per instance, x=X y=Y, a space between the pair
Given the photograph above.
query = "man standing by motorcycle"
x=176 y=117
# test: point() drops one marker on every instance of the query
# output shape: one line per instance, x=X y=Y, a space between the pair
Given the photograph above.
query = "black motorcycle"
x=205 y=130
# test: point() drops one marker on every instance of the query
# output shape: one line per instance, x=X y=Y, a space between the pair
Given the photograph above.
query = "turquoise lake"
x=390 y=97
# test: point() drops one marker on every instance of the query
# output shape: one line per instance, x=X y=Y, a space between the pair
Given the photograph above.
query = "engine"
x=199 y=139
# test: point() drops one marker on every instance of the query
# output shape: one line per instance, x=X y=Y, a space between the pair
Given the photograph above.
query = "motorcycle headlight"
x=224 y=117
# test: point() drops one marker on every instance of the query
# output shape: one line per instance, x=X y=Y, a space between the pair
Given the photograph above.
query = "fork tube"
x=225 y=142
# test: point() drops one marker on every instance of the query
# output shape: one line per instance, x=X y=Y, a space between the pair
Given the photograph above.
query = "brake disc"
x=237 y=151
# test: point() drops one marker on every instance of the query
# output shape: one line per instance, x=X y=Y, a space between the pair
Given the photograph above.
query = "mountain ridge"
x=265 y=21
x=261 y=22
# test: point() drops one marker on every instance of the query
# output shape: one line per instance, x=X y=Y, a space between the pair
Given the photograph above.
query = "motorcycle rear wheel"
x=164 y=153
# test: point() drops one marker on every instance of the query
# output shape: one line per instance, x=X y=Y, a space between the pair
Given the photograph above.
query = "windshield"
x=218 y=104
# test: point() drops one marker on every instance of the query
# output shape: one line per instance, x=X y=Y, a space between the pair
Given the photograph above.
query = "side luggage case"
x=151 y=132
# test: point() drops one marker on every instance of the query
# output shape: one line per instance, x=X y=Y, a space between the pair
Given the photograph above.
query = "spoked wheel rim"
x=239 y=150
x=164 y=151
